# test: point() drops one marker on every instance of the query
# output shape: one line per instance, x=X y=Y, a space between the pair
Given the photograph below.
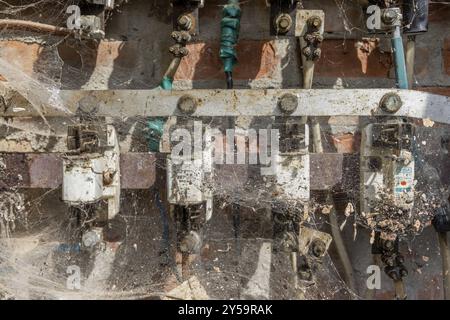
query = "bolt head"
x=315 y=22
x=391 y=102
x=307 y=52
x=187 y=104
x=317 y=52
x=283 y=23
x=389 y=16
x=318 y=248
x=184 y=22
x=288 y=103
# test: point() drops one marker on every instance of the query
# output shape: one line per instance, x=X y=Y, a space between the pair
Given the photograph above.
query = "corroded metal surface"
x=318 y=102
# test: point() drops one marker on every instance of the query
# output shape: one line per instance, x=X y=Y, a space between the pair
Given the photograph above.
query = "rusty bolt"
x=403 y=272
x=283 y=23
x=307 y=52
x=108 y=177
x=316 y=54
x=391 y=102
x=389 y=16
x=178 y=50
x=309 y=37
x=318 y=248
x=187 y=104
x=315 y=22
x=288 y=103
x=185 y=22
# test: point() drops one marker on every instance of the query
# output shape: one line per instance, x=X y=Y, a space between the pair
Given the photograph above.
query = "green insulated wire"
x=155 y=131
x=230 y=25
x=166 y=83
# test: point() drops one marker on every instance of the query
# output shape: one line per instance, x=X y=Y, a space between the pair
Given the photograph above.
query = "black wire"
x=229 y=76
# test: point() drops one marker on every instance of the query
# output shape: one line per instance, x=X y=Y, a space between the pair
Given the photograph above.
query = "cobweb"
x=39 y=258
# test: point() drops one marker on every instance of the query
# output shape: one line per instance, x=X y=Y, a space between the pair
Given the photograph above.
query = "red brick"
x=439 y=12
x=445 y=91
x=446 y=55
x=344 y=59
x=23 y=54
x=257 y=59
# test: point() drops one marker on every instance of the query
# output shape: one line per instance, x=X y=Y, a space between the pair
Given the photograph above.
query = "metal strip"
x=318 y=102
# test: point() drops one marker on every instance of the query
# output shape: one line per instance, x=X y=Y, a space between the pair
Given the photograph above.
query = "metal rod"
x=410 y=57
x=35 y=26
x=340 y=246
x=445 y=253
x=399 y=287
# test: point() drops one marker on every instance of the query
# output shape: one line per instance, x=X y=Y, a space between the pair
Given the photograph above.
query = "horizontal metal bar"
x=318 y=102
x=138 y=170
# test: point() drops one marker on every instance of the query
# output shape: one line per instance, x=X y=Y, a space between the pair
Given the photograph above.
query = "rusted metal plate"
x=138 y=170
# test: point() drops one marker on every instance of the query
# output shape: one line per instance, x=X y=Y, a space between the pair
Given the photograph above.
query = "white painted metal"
x=82 y=179
x=185 y=182
x=314 y=102
x=84 y=176
x=112 y=158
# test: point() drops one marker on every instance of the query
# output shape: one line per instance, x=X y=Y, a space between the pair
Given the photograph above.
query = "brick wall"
x=135 y=52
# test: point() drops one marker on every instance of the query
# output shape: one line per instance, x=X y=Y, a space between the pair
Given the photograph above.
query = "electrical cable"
x=35 y=26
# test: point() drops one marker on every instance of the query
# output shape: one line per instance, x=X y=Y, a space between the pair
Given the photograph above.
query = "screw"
x=389 y=16
x=318 y=248
x=108 y=177
x=307 y=52
x=184 y=22
x=187 y=104
x=315 y=22
x=283 y=23
x=388 y=244
x=288 y=103
x=316 y=54
x=391 y=102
